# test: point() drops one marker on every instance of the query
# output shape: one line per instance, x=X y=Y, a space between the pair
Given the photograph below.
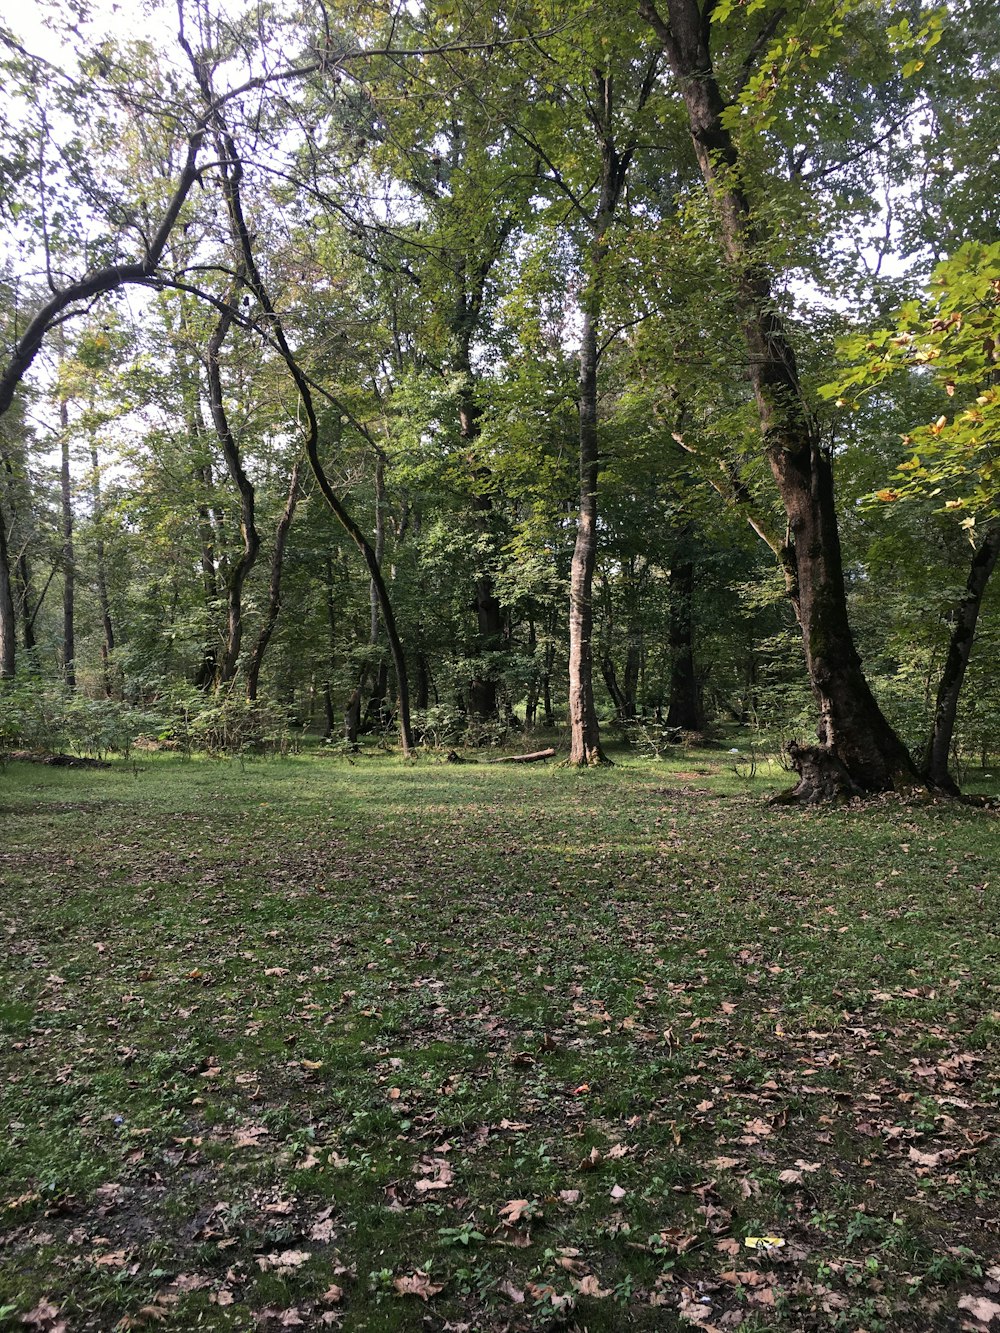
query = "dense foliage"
x=449 y=254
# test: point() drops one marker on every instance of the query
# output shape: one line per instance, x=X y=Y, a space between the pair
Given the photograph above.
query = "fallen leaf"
x=514 y=1210
x=589 y=1286
x=43 y=1313
x=286 y=1260
x=116 y=1259
x=980 y=1308
x=417 y=1284
x=333 y=1295
x=617 y=1192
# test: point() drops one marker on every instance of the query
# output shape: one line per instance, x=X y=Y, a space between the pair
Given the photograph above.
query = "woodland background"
x=481 y=286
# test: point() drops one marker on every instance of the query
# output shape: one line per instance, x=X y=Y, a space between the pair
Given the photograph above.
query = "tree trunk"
x=423 y=681
x=68 y=562
x=489 y=614
x=630 y=676
x=685 y=707
x=585 y=740
x=8 y=627
x=274 y=584
x=230 y=167
x=851 y=725
x=585 y=736
x=108 y=646
x=240 y=568
x=966 y=617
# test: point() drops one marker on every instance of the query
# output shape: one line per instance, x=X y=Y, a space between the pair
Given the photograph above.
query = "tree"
x=859 y=749
x=952 y=338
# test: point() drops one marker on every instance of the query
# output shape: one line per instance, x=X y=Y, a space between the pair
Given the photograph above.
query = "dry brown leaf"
x=980 y=1308
x=514 y=1210
x=333 y=1295
x=116 y=1259
x=417 y=1284
x=285 y=1261
x=589 y=1286
x=42 y=1315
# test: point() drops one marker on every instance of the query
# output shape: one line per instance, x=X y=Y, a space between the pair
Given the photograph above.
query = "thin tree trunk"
x=585 y=736
x=230 y=167
x=108 y=646
x=8 y=626
x=274 y=584
x=685 y=708
x=585 y=739
x=68 y=561
x=19 y=575
x=963 y=633
x=423 y=694
x=240 y=568
x=209 y=666
x=489 y=614
x=852 y=730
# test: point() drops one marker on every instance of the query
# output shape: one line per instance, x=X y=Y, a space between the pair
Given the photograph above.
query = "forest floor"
x=306 y=1043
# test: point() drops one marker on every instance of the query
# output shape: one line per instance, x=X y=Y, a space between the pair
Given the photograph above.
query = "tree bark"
x=8 y=626
x=685 y=707
x=240 y=568
x=68 y=558
x=585 y=739
x=966 y=617
x=851 y=725
x=274 y=584
x=585 y=736
x=103 y=601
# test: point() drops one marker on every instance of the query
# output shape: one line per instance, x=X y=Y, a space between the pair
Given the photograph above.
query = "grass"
x=296 y=1043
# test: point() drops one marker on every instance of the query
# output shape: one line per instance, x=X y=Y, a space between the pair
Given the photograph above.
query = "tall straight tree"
x=605 y=88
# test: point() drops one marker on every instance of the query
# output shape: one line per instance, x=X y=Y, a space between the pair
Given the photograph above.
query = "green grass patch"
x=357 y=1044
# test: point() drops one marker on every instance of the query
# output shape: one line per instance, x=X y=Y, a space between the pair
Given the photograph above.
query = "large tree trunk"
x=274 y=585
x=103 y=601
x=68 y=560
x=966 y=617
x=851 y=725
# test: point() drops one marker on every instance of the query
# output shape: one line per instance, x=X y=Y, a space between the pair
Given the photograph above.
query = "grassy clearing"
x=295 y=1044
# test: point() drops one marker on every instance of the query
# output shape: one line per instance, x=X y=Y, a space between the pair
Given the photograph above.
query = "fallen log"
x=58 y=760
x=523 y=758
